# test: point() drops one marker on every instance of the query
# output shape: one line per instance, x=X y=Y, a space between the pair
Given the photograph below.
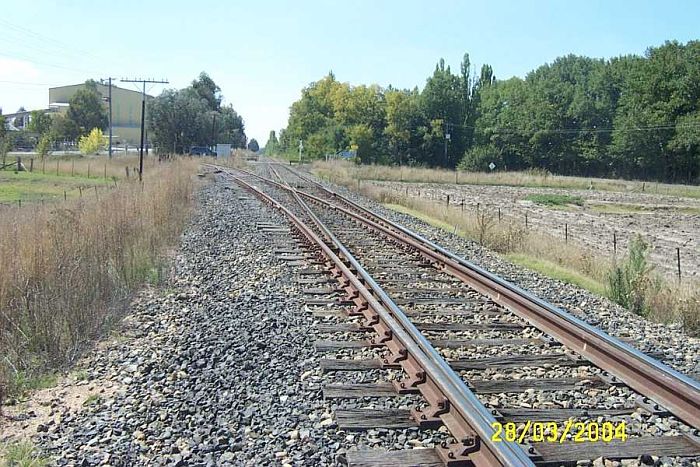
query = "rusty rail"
x=667 y=387
x=450 y=401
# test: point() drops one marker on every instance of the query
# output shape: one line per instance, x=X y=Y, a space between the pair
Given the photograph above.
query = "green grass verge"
x=544 y=267
x=35 y=186
x=558 y=272
x=555 y=200
x=22 y=454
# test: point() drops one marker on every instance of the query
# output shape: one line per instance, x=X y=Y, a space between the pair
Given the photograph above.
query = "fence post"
x=127 y=171
x=678 y=259
x=614 y=242
x=105 y=171
x=88 y=170
x=31 y=165
x=19 y=164
x=57 y=164
x=526 y=220
x=72 y=169
x=65 y=196
x=566 y=233
x=448 y=201
x=499 y=214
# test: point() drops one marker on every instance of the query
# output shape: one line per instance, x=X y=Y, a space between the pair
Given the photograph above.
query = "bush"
x=92 y=143
x=44 y=145
x=631 y=281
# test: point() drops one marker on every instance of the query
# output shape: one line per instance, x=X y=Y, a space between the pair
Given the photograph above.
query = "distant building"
x=126 y=109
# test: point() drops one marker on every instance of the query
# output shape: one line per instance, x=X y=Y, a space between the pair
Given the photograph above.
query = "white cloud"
x=18 y=70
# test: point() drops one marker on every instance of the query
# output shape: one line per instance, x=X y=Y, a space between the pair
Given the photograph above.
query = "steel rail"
x=468 y=420
x=671 y=389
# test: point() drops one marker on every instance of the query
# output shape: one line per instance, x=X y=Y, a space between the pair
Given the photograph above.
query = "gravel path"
x=213 y=369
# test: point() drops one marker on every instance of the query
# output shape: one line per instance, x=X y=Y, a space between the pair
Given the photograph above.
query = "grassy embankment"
x=57 y=178
x=530 y=179
x=544 y=253
x=68 y=267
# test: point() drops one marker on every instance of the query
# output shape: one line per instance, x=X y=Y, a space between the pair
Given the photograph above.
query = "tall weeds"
x=66 y=268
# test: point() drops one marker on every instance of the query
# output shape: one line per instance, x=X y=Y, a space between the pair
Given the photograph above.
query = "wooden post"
x=105 y=171
x=57 y=163
x=127 y=171
x=526 y=220
x=81 y=191
x=19 y=164
x=96 y=195
x=614 y=242
x=566 y=233
x=31 y=165
x=678 y=260
x=448 y=201
x=65 y=196
x=477 y=207
x=462 y=203
x=72 y=169
x=88 y=170
x=499 y=214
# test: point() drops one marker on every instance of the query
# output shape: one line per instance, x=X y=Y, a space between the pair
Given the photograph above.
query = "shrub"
x=630 y=281
x=92 y=143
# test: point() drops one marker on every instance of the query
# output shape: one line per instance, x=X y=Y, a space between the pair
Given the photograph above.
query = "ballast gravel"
x=215 y=368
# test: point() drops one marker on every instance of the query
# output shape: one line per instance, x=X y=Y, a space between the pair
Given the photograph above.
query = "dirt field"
x=666 y=222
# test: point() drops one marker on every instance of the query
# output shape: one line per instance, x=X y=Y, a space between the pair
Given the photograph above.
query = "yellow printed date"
x=559 y=432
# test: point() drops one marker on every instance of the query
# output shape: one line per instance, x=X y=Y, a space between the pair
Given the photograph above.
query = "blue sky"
x=261 y=53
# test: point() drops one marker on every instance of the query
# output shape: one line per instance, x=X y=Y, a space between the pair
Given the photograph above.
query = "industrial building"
x=126 y=109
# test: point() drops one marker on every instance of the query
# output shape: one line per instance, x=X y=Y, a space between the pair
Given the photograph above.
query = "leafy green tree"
x=44 y=144
x=253 y=145
x=179 y=119
x=40 y=122
x=86 y=109
x=272 y=145
x=207 y=89
x=63 y=128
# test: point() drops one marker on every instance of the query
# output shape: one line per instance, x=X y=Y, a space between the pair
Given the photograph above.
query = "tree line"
x=176 y=120
x=628 y=116
x=194 y=116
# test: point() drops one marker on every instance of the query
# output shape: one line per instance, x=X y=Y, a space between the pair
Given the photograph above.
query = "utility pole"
x=143 y=114
x=213 y=132
x=109 y=100
x=447 y=139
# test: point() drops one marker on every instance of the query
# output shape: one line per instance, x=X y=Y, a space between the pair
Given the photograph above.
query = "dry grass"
x=66 y=267
x=343 y=171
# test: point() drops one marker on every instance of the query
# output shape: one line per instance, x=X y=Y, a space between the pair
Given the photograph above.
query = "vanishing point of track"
x=391 y=278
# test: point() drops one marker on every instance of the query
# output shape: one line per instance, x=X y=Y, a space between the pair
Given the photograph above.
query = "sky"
x=262 y=53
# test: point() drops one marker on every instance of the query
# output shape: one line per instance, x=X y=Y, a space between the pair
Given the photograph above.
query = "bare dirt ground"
x=666 y=222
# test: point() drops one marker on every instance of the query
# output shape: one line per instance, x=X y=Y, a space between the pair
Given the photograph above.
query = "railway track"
x=489 y=364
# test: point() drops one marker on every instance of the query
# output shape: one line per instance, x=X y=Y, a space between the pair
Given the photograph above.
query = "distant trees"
x=628 y=116
x=40 y=122
x=272 y=145
x=253 y=145
x=194 y=116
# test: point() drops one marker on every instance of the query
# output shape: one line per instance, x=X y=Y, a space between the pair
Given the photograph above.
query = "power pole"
x=447 y=138
x=143 y=114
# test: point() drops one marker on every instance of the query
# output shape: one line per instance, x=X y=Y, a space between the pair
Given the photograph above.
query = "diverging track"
x=508 y=363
